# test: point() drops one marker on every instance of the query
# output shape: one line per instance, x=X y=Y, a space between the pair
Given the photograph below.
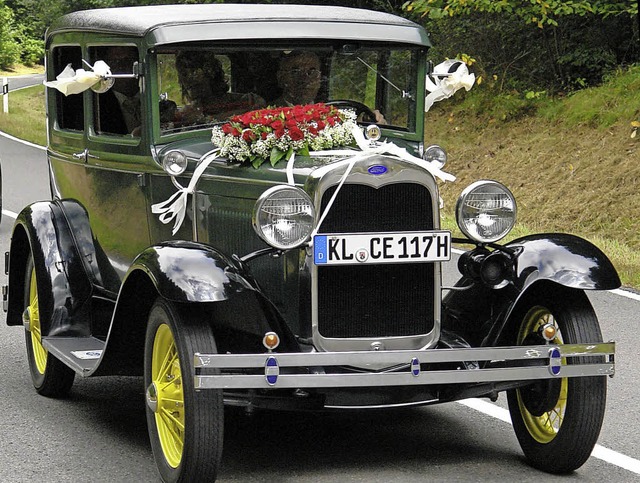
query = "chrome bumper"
x=404 y=367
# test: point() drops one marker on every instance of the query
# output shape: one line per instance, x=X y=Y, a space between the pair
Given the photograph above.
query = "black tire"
x=50 y=377
x=558 y=421
x=175 y=333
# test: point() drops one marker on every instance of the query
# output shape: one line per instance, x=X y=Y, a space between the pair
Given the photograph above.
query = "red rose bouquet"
x=276 y=133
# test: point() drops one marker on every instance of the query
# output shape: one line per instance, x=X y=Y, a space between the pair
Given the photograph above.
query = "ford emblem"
x=377 y=169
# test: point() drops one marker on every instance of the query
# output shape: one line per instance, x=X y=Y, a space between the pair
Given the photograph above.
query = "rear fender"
x=63 y=286
x=481 y=313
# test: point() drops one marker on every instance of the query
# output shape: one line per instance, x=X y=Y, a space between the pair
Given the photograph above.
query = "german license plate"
x=370 y=248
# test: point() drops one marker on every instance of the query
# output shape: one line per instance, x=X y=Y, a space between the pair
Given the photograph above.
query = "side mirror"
x=429 y=67
x=108 y=79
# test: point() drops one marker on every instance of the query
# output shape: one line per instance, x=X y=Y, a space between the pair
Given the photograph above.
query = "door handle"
x=84 y=155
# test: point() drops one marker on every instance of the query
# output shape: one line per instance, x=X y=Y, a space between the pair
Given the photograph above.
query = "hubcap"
x=152 y=397
x=165 y=395
x=33 y=321
x=543 y=425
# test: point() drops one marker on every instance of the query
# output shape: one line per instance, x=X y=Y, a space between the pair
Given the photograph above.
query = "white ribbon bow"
x=71 y=81
x=448 y=77
x=175 y=207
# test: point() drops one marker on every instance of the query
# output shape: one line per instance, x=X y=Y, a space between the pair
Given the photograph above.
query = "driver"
x=299 y=77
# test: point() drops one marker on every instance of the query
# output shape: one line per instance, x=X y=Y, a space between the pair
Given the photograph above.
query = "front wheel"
x=558 y=421
x=185 y=426
x=50 y=377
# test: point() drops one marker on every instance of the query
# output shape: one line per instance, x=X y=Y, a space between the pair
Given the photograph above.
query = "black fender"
x=197 y=277
x=566 y=259
x=481 y=313
x=63 y=285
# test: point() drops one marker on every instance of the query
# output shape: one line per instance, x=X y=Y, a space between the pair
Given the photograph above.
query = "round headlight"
x=435 y=154
x=283 y=217
x=486 y=211
x=174 y=163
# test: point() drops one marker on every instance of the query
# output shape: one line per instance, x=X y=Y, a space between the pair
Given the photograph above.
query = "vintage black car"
x=244 y=212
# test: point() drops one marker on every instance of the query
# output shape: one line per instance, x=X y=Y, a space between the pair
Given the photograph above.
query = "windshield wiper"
x=405 y=94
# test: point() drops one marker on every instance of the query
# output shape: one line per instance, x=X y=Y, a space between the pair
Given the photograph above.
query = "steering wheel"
x=361 y=109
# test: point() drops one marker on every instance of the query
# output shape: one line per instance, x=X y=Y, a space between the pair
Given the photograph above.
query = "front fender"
x=191 y=272
x=199 y=276
x=480 y=313
x=565 y=259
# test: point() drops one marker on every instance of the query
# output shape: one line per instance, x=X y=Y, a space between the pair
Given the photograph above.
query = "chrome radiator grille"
x=389 y=300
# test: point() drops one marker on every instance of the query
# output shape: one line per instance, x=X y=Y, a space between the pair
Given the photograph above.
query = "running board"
x=82 y=354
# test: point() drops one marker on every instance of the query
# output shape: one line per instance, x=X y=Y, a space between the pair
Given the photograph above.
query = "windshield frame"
x=329 y=50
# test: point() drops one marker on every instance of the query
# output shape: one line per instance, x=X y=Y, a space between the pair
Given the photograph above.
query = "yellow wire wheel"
x=167 y=380
x=50 y=376
x=39 y=352
x=557 y=420
x=185 y=425
x=543 y=425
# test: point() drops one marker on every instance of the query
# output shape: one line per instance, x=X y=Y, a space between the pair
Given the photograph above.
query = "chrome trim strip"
x=524 y=371
x=294 y=381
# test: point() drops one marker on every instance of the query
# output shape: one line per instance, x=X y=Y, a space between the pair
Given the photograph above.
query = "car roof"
x=163 y=24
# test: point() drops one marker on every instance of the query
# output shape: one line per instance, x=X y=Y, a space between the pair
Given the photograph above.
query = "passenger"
x=299 y=78
x=205 y=89
x=119 y=108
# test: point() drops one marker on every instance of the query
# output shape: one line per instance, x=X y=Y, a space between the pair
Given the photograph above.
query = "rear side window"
x=69 y=109
x=117 y=111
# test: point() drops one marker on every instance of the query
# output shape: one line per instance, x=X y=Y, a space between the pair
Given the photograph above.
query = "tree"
x=9 y=48
x=538 y=12
x=554 y=45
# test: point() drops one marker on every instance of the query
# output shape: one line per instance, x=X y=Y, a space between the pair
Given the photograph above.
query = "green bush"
x=576 y=53
x=9 y=48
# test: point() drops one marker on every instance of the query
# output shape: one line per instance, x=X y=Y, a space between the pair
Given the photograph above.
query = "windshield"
x=203 y=86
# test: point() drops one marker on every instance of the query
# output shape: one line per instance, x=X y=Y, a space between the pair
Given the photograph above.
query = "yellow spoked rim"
x=167 y=378
x=545 y=427
x=39 y=352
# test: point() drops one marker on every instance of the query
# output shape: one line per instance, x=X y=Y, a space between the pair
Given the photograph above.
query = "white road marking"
x=27 y=143
x=10 y=214
x=600 y=452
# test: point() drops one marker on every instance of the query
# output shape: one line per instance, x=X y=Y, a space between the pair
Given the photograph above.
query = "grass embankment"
x=571 y=162
x=26 y=116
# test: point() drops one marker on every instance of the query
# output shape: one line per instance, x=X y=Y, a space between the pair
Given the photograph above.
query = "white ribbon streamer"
x=71 y=81
x=367 y=150
x=175 y=208
x=449 y=77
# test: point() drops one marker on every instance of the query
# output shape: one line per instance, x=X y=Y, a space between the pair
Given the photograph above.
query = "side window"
x=117 y=111
x=69 y=109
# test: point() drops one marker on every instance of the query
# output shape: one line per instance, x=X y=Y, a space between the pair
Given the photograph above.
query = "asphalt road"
x=20 y=81
x=99 y=433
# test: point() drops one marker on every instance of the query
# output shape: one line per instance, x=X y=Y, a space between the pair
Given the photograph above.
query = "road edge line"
x=600 y=452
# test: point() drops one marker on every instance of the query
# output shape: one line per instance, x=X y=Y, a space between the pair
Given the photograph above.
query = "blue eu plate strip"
x=320 y=249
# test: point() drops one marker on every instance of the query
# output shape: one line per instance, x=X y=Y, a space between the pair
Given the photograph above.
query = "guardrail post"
x=5 y=95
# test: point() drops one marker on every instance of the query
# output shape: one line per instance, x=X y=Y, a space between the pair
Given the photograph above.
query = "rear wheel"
x=558 y=421
x=185 y=426
x=50 y=377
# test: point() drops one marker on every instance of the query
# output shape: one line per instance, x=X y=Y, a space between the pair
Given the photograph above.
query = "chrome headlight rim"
x=268 y=195
x=436 y=155
x=174 y=162
x=463 y=198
